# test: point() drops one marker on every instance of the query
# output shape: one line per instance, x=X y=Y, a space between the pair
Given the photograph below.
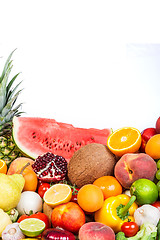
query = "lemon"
x=32 y=227
x=57 y=194
x=145 y=190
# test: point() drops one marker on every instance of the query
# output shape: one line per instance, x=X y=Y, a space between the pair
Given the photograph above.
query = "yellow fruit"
x=58 y=194
x=4 y=221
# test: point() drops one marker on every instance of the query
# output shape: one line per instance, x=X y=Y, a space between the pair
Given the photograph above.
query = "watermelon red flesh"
x=36 y=136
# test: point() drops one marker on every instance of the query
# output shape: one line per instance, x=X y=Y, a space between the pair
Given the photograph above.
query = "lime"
x=145 y=190
x=32 y=227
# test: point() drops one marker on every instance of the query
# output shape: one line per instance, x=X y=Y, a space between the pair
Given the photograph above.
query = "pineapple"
x=8 y=97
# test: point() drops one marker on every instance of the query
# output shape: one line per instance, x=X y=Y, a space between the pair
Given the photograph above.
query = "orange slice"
x=57 y=194
x=124 y=140
x=3 y=166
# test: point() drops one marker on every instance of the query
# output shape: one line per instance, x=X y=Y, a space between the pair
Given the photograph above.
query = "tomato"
x=74 y=194
x=38 y=215
x=41 y=216
x=42 y=188
x=130 y=228
x=24 y=216
x=156 y=204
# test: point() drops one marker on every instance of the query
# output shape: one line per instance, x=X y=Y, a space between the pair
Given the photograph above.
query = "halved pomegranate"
x=50 y=167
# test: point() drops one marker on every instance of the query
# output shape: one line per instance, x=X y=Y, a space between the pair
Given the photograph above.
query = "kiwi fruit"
x=89 y=163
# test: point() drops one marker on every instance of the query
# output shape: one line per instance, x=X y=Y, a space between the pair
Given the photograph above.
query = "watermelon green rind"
x=36 y=136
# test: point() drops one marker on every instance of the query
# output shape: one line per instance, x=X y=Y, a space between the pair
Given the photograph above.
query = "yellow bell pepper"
x=116 y=210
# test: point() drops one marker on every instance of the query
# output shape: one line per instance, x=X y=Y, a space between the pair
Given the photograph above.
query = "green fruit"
x=32 y=227
x=158 y=174
x=145 y=190
x=158 y=164
x=158 y=185
x=10 y=190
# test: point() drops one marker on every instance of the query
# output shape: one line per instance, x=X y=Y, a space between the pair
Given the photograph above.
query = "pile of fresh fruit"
x=62 y=182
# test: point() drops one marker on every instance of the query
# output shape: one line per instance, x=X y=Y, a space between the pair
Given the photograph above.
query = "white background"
x=88 y=63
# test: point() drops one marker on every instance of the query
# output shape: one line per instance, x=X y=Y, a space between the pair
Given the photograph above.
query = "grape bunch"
x=158 y=175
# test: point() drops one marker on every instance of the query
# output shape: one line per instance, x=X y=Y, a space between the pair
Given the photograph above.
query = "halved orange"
x=57 y=194
x=124 y=140
x=3 y=166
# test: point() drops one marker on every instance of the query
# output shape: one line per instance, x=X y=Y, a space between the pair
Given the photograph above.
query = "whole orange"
x=109 y=185
x=153 y=147
x=31 y=180
x=90 y=198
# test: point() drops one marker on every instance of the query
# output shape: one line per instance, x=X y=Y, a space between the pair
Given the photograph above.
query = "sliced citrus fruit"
x=124 y=140
x=32 y=227
x=57 y=194
x=3 y=166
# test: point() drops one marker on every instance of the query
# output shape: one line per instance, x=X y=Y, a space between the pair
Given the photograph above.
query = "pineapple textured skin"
x=8 y=97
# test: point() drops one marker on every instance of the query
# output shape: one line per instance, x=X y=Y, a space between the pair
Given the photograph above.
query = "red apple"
x=68 y=216
x=146 y=134
x=158 y=125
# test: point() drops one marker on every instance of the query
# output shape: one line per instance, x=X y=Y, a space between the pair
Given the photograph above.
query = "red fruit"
x=74 y=194
x=130 y=228
x=57 y=234
x=68 y=216
x=146 y=134
x=156 y=204
x=96 y=231
x=41 y=216
x=24 y=216
x=43 y=187
x=50 y=167
x=158 y=125
x=38 y=215
x=36 y=136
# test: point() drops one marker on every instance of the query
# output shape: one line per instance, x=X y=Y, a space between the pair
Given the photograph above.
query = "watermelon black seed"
x=50 y=167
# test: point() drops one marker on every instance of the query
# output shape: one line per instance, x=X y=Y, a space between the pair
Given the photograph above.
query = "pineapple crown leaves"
x=6 y=66
x=7 y=95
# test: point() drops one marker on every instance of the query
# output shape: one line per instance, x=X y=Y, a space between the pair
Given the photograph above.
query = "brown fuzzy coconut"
x=89 y=163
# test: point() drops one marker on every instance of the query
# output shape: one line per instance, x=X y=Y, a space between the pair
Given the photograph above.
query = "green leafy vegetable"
x=147 y=231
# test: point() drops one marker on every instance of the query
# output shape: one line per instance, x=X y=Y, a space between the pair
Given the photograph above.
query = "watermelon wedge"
x=36 y=136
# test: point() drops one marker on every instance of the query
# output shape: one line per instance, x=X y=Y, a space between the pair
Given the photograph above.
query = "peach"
x=17 y=164
x=68 y=216
x=96 y=231
x=133 y=166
